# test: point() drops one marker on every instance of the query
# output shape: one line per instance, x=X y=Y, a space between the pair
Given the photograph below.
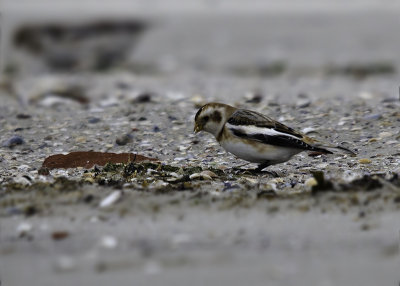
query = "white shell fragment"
x=110 y=199
x=24 y=228
x=205 y=175
x=108 y=241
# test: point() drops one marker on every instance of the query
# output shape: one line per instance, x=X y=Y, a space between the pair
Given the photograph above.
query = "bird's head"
x=212 y=117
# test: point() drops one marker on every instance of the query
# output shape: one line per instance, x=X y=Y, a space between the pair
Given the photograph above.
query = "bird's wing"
x=245 y=117
x=258 y=127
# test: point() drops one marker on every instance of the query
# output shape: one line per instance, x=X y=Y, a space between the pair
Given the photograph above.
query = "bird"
x=255 y=137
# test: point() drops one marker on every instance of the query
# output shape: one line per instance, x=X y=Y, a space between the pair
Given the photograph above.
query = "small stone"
x=365 y=227
x=108 y=241
x=90 y=180
x=24 y=229
x=158 y=184
x=59 y=235
x=209 y=173
x=198 y=101
x=124 y=139
x=364 y=161
x=81 y=139
x=93 y=120
x=109 y=102
x=200 y=175
x=308 y=130
x=311 y=182
x=303 y=103
x=385 y=134
x=253 y=97
x=23 y=116
x=373 y=140
x=13 y=141
x=88 y=198
x=366 y=95
x=144 y=97
x=250 y=181
x=43 y=171
x=372 y=116
x=22 y=180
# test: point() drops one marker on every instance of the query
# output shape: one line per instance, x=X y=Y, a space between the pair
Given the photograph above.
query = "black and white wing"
x=255 y=126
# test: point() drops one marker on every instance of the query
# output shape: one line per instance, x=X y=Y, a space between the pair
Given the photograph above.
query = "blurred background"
x=261 y=38
x=129 y=76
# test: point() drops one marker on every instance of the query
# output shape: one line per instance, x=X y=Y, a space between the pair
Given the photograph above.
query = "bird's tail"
x=326 y=148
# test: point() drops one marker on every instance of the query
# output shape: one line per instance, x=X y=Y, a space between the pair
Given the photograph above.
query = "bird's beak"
x=197 y=128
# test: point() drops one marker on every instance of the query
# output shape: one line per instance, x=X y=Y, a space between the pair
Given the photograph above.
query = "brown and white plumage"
x=255 y=137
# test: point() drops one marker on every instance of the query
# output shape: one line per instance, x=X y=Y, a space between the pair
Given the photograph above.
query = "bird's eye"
x=205 y=118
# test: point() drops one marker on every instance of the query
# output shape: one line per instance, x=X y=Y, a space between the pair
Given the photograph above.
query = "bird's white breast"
x=258 y=152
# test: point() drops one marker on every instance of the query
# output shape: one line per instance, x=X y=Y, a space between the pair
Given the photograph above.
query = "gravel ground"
x=199 y=216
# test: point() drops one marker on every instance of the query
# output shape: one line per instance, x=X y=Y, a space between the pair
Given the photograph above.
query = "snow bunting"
x=255 y=137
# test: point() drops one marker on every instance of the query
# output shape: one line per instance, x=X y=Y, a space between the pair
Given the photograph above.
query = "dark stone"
x=93 y=120
x=44 y=171
x=255 y=98
x=124 y=139
x=13 y=141
x=143 y=97
x=23 y=116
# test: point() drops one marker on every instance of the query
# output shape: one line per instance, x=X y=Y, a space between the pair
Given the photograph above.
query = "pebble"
x=308 y=130
x=59 y=235
x=81 y=139
x=93 y=120
x=250 y=181
x=110 y=199
x=364 y=161
x=253 y=97
x=385 y=134
x=158 y=184
x=311 y=182
x=52 y=101
x=109 y=102
x=366 y=95
x=123 y=140
x=24 y=229
x=13 y=141
x=23 y=167
x=22 y=180
x=373 y=116
x=303 y=103
x=203 y=175
x=198 y=101
x=209 y=173
x=143 y=97
x=23 y=116
x=108 y=242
